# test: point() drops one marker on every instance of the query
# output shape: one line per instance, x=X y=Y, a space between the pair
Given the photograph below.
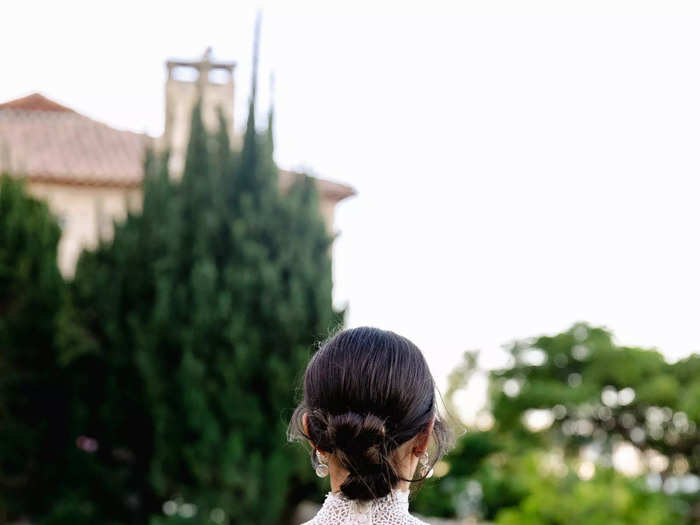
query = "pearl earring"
x=321 y=465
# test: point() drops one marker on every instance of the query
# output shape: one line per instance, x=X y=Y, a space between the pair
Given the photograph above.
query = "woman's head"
x=369 y=395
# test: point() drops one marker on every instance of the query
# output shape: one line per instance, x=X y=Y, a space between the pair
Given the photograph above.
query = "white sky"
x=520 y=165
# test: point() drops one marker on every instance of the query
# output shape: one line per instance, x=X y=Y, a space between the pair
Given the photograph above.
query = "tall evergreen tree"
x=204 y=308
x=33 y=401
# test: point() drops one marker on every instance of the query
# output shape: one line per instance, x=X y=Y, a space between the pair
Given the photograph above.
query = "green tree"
x=567 y=400
x=33 y=397
x=204 y=308
x=598 y=393
x=608 y=499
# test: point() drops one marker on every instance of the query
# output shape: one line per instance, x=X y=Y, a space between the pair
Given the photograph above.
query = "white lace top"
x=392 y=509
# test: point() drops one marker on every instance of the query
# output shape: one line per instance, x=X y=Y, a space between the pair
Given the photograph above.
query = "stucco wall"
x=84 y=213
x=327 y=210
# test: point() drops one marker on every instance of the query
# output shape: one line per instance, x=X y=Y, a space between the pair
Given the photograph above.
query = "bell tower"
x=188 y=80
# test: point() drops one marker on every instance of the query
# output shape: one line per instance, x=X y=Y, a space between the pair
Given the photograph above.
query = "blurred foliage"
x=608 y=499
x=33 y=402
x=204 y=308
x=601 y=393
x=156 y=387
x=560 y=410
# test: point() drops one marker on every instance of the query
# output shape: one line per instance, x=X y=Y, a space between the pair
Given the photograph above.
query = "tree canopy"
x=577 y=419
x=33 y=397
x=205 y=307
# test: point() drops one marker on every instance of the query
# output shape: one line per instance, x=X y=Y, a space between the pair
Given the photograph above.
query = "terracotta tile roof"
x=45 y=141
x=35 y=102
x=333 y=191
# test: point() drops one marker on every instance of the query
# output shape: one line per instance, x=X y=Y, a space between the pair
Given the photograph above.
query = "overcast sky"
x=520 y=166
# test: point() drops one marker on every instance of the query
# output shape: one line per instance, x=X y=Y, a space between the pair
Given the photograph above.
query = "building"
x=213 y=82
x=90 y=173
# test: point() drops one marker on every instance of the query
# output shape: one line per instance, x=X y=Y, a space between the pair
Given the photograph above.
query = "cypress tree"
x=33 y=398
x=204 y=307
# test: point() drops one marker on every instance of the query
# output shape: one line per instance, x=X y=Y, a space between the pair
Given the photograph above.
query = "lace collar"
x=390 y=509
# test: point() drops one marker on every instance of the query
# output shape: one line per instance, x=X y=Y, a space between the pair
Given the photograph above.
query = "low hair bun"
x=359 y=442
x=361 y=438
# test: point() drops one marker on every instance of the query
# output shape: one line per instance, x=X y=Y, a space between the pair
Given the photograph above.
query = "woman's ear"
x=305 y=424
x=423 y=438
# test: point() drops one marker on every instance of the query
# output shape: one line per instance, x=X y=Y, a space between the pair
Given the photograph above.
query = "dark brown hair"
x=365 y=392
